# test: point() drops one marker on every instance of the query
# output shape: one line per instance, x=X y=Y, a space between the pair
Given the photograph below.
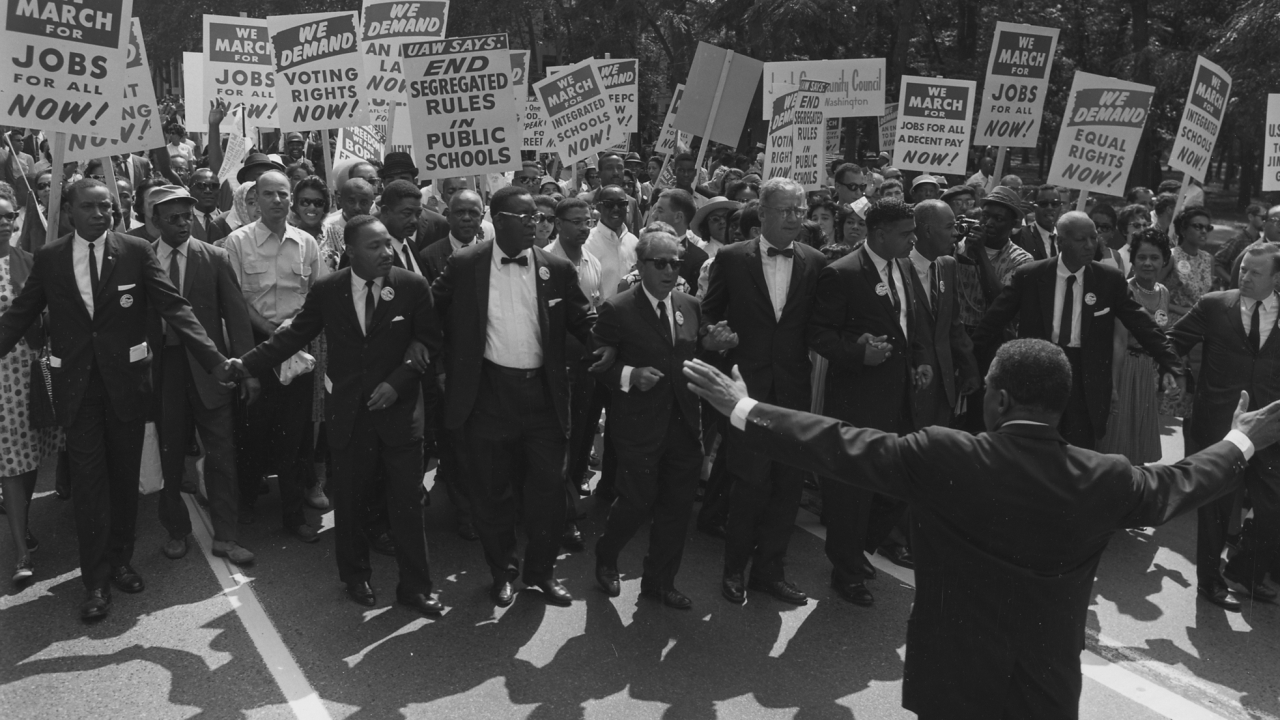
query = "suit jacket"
x=628 y=322
x=1228 y=365
x=848 y=305
x=434 y=257
x=218 y=229
x=432 y=226
x=691 y=259
x=772 y=352
x=210 y=285
x=947 y=347
x=1029 y=299
x=131 y=282
x=1028 y=238
x=462 y=300
x=360 y=361
x=1007 y=529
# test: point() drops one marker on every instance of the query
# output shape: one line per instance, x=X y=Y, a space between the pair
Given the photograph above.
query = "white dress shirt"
x=777 y=275
x=457 y=244
x=398 y=246
x=883 y=268
x=616 y=252
x=1048 y=238
x=588 y=272
x=80 y=263
x=358 y=290
x=163 y=253
x=1077 y=300
x=671 y=320
x=512 y=336
x=1266 y=316
x=922 y=265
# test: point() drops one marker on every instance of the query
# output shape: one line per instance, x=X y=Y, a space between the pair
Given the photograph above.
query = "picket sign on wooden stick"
x=55 y=186
x=1082 y=200
x=109 y=171
x=997 y=173
x=715 y=105
x=1180 y=206
x=391 y=129
x=328 y=159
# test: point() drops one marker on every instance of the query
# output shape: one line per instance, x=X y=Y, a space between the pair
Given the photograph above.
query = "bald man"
x=1074 y=302
x=355 y=197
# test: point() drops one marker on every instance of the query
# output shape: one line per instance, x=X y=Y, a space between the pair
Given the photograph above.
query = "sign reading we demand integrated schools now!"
x=1101 y=127
x=317 y=63
x=68 y=63
x=462 y=108
x=238 y=68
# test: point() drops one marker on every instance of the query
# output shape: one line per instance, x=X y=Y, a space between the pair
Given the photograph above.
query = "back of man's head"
x=1035 y=374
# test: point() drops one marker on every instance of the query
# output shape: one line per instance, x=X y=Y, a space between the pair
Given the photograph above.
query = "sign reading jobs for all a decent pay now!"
x=68 y=63
x=1101 y=127
x=934 y=117
x=317 y=63
x=462 y=109
x=1017 y=82
x=238 y=69
x=582 y=120
x=139 y=127
x=1201 y=119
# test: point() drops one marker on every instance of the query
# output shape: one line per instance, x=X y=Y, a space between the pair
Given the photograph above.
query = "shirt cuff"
x=1241 y=441
x=626 y=378
x=738 y=418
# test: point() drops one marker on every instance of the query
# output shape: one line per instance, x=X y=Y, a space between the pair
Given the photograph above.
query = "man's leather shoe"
x=503 y=593
x=467 y=531
x=126 y=579
x=572 y=538
x=670 y=597
x=780 y=589
x=868 y=569
x=305 y=533
x=607 y=577
x=554 y=592
x=96 y=604
x=731 y=586
x=383 y=544
x=362 y=594
x=899 y=555
x=422 y=602
x=175 y=548
x=855 y=592
x=233 y=552
x=1256 y=590
x=1217 y=594
x=713 y=529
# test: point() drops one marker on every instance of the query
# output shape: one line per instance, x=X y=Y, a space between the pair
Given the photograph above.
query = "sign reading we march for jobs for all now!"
x=461 y=106
x=317 y=61
x=1201 y=119
x=65 y=64
x=582 y=120
x=934 y=116
x=139 y=127
x=1101 y=127
x=1017 y=82
x=238 y=69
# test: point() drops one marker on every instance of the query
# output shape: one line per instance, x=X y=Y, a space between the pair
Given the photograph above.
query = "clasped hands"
x=878 y=350
x=232 y=371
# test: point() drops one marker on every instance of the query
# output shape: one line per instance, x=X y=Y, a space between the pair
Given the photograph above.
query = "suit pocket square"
x=1103 y=311
x=122 y=288
x=397 y=318
x=553 y=302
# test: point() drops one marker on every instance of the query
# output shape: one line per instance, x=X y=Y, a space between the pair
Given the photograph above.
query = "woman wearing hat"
x=711 y=223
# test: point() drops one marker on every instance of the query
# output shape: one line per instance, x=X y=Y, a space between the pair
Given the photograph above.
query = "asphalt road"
x=281 y=640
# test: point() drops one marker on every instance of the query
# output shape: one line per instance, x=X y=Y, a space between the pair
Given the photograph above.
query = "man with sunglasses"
x=851 y=183
x=612 y=171
x=1039 y=237
x=208 y=223
x=1227 y=258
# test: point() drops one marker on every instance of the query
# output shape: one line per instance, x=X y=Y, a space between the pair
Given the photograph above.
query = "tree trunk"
x=906 y=21
x=1146 y=165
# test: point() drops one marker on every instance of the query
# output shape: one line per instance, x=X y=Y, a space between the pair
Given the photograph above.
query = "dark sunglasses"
x=308 y=202
x=10 y=216
x=854 y=186
x=209 y=186
x=663 y=263
x=613 y=204
x=1046 y=204
x=177 y=218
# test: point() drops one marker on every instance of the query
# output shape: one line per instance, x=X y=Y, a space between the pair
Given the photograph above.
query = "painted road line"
x=302 y=699
x=1094 y=666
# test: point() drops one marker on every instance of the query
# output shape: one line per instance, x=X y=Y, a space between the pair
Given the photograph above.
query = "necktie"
x=893 y=290
x=93 y=271
x=175 y=272
x=774 y=252
x=369 y=299
x=664 y=321
x=1255 y=327
x=1053 y=244
x=933 y=286
x=522 y=261
x=408 y=260
x=208 y=221
x=1068 y=312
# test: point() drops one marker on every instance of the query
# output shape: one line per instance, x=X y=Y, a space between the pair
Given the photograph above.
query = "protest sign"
x=238 y=69
x=1271 y=146
x=317 y=62
x=67 y=62
x=703 y=91
x=807 y=165
x=364 y=143
x=520 y=74
x=622 y=86
x=780 y=143
x=1201 y=119
x=197 y=115
x=534 y=127
x=888 y=127
x=667 y=138
x=1100 y=131
x=856 y=87
x=139 y=127
x=461 y=108
x=1016 y=85
x=237 y=148
x=387 y=25
x=833 y=135
x=581 y=120
x=934 y=117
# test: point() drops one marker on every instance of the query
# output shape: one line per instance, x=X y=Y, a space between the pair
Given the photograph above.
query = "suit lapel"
x=923 y=292
x=484 y=261
x=1048 y=286
x=755 y=267
x=111 y=247
x=69 y=265
x=875 y=281
x=539 y=262
x=1086 y=310
x=383 y=306
x=797 y=272
x=348 y=301
x=1236 y=322
x=906 y=271
x=647 y=311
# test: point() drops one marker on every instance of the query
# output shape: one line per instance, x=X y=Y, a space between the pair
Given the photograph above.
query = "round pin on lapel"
x=942 y=286
x=387 y=293
x=1162 y=318
x=679 y=318
x=1090 y=299
x=126 y=301
x=544 y=273
x=1184 y=267
x=882 y=289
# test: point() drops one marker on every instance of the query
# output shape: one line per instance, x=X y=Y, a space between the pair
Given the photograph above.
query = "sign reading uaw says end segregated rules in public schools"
x=1100 y=131
x=461 y=106
x=934 y=117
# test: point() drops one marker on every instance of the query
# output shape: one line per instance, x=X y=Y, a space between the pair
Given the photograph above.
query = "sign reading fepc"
x=317 y=61
x=238 y=69
x=461 y=106
x=66 y=64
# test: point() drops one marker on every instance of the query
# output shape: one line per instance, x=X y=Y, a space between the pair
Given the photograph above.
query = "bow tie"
x=522 y=261
x=774 y=252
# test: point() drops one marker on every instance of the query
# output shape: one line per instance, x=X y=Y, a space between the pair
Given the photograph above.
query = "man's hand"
x=1171 y=382
x=720 y=337
x=606 y=357
x=417 y=356
x=250 y=389
x=1262 y=425
x=923 y=376
x=230 y=371
x=440 y=382
x=645 y=378
x=969 y=386
x=714 y=386
x=383 y=397
x=877 y=349
x=218 y=112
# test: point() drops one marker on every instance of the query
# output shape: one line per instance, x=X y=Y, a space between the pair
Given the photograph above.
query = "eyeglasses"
x=663 y=263
x=1106 y=227
x=613 y=204
x=99 y=178
x=309 y=202
x=526 y=179
x=1273 y=219
x=525 y=218
x=860 y=187
x=583 y=222
x=1139 y=225
x=544 y=218
x=42 y=186
x=1201 y=227
x=473 y=214
x=1047 y=204
x=177 y=218
x=207 y=186
x=787 y=212
x=10 y=217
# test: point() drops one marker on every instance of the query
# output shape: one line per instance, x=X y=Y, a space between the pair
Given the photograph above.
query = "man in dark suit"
x=1085 y=297
x=764 y=290
x=98 y=287
x=657 y=420
x=186 y=392
x=947 y=347
x=1241 y=353
x=506 y=306
x=1007 y=526
x=381 y=332
x=864 y=324
x=207 y=223
x=1039 y=236
x=676 y=208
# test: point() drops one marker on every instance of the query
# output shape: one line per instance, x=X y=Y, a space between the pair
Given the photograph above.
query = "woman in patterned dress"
x=1134 y=429
x=22 y=447
x=1188 y=274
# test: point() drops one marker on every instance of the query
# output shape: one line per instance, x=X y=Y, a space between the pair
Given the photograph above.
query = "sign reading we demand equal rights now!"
x=1100 y=131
